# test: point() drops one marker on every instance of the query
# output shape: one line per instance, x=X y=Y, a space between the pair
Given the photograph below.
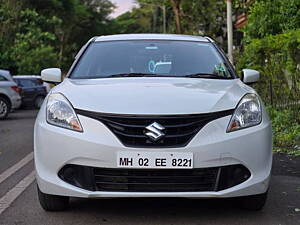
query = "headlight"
x=247 y=113
x=61 y=113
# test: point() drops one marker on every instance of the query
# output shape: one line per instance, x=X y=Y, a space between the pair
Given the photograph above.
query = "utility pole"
x=229 y=30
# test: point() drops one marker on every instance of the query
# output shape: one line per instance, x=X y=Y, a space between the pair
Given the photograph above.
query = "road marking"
x=10 y=171
x=12 y=194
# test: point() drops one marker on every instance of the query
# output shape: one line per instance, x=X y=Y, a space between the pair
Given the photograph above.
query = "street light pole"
x=229 y=30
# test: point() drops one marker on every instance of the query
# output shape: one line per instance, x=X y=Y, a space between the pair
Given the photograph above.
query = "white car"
x=119 y=128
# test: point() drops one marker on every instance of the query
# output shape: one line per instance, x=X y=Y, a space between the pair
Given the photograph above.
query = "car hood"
x=153 y=95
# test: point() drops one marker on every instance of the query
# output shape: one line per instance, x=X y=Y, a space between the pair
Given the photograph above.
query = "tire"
x=4 y=108
x=253 y=202
x=53 y=202
x=38 y=101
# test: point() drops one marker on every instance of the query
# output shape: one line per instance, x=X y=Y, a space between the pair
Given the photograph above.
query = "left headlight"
x=248 y=113
x=61 y=113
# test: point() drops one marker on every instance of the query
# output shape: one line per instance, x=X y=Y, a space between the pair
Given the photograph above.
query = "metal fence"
x=279 y=96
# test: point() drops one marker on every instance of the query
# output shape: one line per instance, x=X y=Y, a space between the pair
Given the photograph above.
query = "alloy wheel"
x=3 y=108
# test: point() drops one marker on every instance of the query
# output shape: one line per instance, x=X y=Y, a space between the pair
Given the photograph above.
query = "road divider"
x=10 y=171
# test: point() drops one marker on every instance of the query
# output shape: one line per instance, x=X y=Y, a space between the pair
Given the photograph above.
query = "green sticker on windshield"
x=220 y=68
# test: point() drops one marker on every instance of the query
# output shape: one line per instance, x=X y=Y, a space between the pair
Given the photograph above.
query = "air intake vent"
x=154 y=180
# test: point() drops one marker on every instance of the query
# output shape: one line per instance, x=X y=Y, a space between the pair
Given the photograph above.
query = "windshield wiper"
x=133 y=75
x=206 y=75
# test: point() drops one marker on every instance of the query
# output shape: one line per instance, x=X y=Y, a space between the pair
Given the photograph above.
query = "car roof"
x=6 y=74
x=173 y=37
x=27 y=77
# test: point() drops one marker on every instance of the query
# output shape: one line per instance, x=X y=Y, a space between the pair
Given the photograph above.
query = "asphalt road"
x=283 y=205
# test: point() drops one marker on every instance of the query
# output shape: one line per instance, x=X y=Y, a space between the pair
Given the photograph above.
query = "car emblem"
x=154 y=131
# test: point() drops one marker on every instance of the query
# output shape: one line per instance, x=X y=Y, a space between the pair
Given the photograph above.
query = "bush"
x=286 y=129
x=277 y=57
x=272 y=17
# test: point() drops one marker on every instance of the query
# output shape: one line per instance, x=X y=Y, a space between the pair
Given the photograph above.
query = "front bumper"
x=97 y=147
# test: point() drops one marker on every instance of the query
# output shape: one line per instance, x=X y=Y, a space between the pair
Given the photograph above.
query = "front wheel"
x=253 y=202
x=53 y=202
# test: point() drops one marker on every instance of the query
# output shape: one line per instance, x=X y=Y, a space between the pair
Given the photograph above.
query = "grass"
x=288 y=151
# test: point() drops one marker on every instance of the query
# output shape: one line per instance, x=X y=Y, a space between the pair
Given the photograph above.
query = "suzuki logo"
x=154 y=131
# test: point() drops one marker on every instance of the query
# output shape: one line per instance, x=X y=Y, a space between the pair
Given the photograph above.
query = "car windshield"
x=151 y=58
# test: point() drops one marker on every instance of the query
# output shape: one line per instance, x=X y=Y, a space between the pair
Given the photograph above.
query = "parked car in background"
x=32 y=90
x=9 y=94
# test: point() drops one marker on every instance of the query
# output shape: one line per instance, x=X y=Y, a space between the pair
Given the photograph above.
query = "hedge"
x=277 y=57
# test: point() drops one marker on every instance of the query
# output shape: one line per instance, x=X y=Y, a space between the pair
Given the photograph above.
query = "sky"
x=122 y=6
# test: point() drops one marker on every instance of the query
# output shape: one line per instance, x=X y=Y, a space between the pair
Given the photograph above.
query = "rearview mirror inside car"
x=51 y=75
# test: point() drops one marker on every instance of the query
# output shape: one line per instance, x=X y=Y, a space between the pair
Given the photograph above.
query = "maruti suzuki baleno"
x=152 y=115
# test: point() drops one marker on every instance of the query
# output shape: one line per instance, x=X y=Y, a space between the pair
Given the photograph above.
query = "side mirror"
x=51 y=75
x=250 y=76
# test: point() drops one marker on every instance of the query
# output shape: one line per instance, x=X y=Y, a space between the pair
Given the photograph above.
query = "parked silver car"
x=9 y=94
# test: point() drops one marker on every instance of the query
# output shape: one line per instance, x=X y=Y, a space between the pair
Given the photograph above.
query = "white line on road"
x=10 y=171
x=10 y=196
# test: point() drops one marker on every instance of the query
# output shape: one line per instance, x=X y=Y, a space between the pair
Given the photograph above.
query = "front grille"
x=154 y=180
x=145 y=180
x=179 y=129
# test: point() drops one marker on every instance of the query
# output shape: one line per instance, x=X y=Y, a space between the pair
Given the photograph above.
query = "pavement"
x=19 y=204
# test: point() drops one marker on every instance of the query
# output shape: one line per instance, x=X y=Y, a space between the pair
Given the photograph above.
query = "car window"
x=38 y=82
x=161 y=58
x=25 y=82
x=2 y=78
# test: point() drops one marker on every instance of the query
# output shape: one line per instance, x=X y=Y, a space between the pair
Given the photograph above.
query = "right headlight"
x=61 y=113
x=248 y=113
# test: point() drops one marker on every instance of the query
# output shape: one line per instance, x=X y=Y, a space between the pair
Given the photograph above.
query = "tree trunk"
x=61 y=49
x=176 y=10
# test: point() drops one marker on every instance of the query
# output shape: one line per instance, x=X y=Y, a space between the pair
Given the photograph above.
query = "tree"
x=203 y=17
x=272 y=17
x=177 y=13
x=9 y=19
x=52 y=30
x=81 y=20
x=137 y=21
x=33 y=48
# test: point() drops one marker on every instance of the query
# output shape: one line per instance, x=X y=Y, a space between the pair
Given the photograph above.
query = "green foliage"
x=272 y=46
x=8 y=24
x=197 y=17
x=272 y=17
x=147 y=18
x=206 y=17
x=277 y=57
x=286 y=129
x=35 y=34
x=33 y=48
x=136 y=21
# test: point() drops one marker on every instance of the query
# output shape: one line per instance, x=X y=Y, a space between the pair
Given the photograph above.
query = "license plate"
x=155 y=160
